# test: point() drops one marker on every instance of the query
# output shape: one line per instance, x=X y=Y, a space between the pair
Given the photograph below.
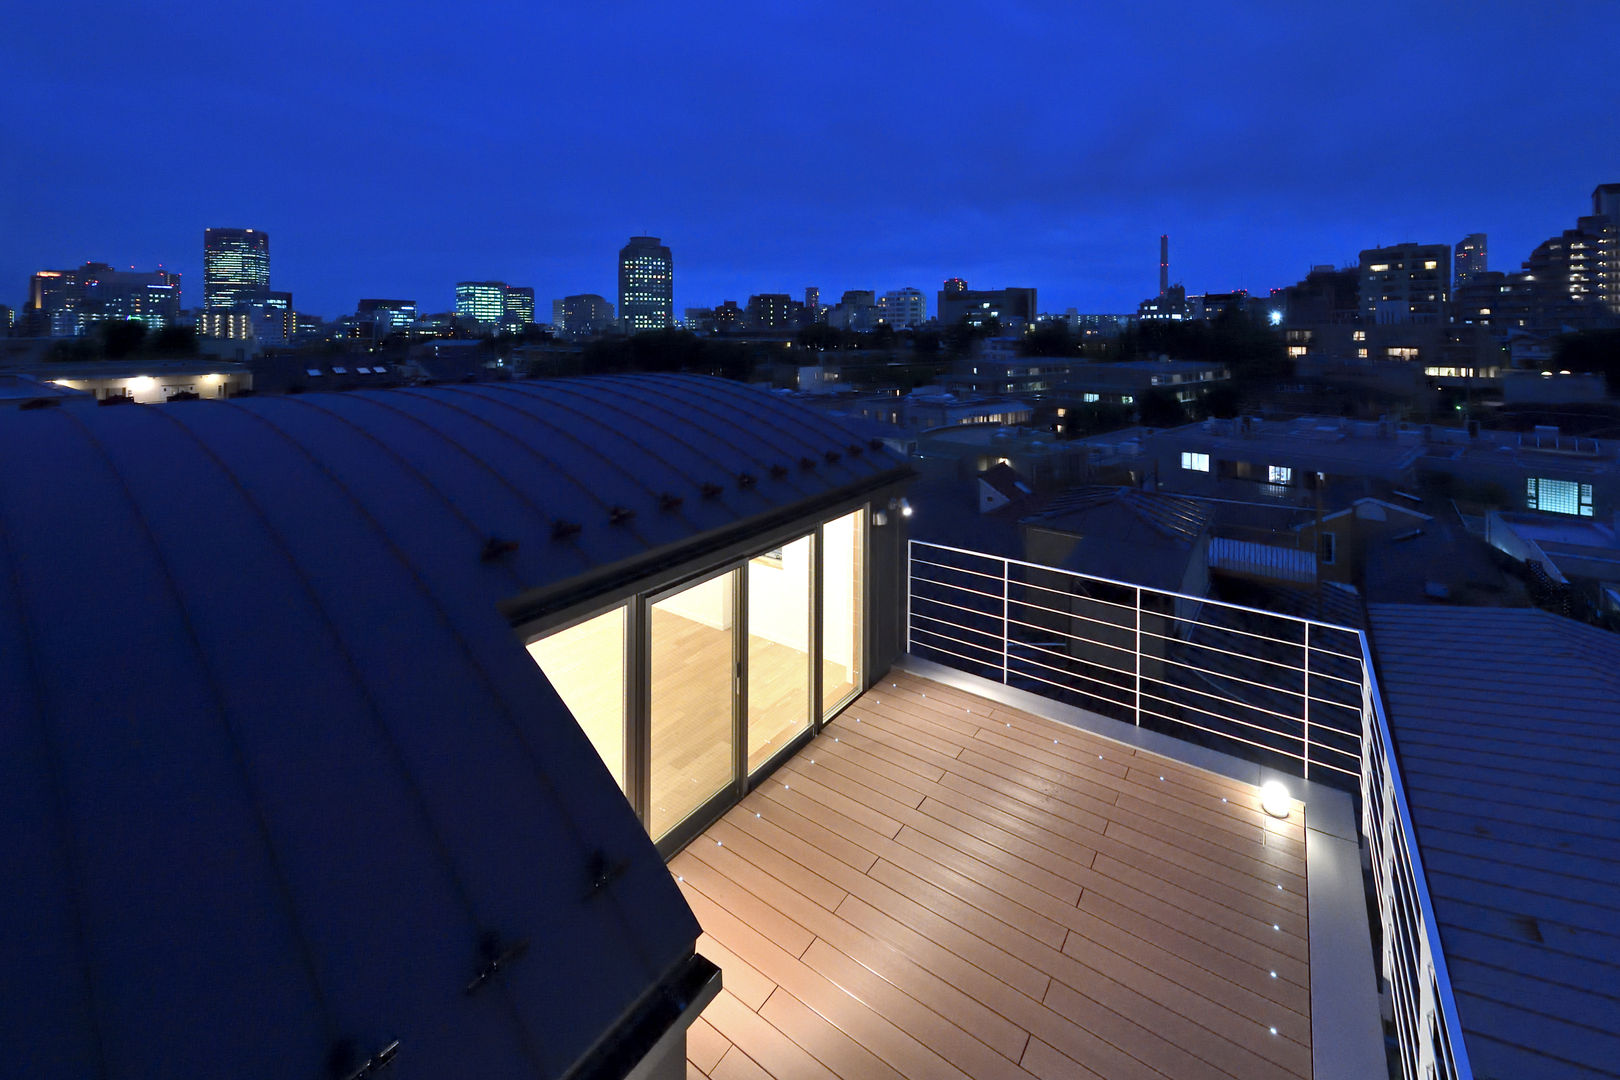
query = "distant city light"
x=1276 y=318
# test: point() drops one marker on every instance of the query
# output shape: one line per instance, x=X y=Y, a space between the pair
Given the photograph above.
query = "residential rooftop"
x=1507 y=723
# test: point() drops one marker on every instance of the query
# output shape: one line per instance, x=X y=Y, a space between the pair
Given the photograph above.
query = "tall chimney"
x=1164 y=264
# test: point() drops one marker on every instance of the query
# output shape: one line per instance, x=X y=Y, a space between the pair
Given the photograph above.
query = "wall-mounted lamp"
x=880 y=518
x=1274 y=799
x=902 y=505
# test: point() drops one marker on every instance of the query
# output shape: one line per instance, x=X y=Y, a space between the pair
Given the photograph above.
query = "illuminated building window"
x=1359 y=335
x=1280 y=474
x=1558 y=496
x=1195 y=462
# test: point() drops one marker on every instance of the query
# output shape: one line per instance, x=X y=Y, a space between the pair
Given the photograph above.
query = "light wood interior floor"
x=943 y=887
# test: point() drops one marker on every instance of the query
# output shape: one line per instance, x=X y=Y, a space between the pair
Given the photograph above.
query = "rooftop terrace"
x=946 y=885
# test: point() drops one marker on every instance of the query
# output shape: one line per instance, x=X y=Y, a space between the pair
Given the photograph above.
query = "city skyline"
x=1256 y=143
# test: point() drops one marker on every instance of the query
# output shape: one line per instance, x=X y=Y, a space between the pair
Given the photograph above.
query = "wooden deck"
x=941 y=887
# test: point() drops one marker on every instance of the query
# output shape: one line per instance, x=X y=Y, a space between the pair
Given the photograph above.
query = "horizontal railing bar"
x=960 y=626
x=959 y=656
x=1227 y=652
x=1080 y=638
x=955 y=569
x=1077 y=690
x=1223 y=734
x=1214 y=674
x=1132 y=585
x=1070 y=674
x=968 y=644
x=1318 y=699
x=1243 y=704
x=1336 y=678
x=1042 y=649
x=1298 y=737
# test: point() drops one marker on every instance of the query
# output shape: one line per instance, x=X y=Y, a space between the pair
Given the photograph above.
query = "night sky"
x=393 y=149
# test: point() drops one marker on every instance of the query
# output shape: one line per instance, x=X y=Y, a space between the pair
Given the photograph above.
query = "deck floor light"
x=1274 y=799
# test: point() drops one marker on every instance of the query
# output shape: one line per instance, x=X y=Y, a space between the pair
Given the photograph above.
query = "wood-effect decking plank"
x=943 y=885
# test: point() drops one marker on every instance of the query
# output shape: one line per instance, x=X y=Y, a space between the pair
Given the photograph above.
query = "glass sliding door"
x=585 y=663
x=694 y=653
x=778 y=649
x=843 y=608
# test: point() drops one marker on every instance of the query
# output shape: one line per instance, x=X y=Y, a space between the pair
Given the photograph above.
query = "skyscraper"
x=236 y=267
x=481 y=301
x=518 y=306
x=646 y=285
x=1164 y=263
x=1470 y=259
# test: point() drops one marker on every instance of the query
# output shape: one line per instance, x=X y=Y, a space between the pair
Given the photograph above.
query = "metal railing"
x=1292 y=693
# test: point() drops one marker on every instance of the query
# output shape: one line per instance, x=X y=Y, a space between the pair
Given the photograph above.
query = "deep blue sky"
x=391 y=149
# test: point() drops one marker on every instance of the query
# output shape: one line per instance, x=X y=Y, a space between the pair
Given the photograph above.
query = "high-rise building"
x=953 y=287
x=1164 y=263
x=768 y=311
x=225 y=324
x=1606 y=202
x=63 y=302
x=728 y=316
x=1470 y=260
x=518 y=306
x=903 y=307
x=856 y=310
x=387 y=316
x=812 y=298
x=1405 y=283
x=558 y=322
x=481 y=301
x=274 y=321
x=646 y=285
x=8 y=319
x=979 y=306
x=585 y=315
x=236 y=267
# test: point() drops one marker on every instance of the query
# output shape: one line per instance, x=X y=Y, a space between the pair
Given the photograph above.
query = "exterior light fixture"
x=1276 y=318
x=1274 y=799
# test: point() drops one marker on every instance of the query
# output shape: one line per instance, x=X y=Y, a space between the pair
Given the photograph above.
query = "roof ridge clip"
x=746 y=480
x=620 y=515
x=669 y=501
x=495 y=958
x=373 y=1065
x=563 y=530
x=778 y=471
x=807 y=463
x=496 y=548
x=832 y=456
x=711 y=490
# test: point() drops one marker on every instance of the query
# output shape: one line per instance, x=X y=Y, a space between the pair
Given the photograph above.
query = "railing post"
x=1006 y=620
x=911 y=585
x=1305 y=750
x=1139 y=656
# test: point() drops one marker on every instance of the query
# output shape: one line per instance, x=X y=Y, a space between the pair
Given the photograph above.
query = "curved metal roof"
x=277 y=775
